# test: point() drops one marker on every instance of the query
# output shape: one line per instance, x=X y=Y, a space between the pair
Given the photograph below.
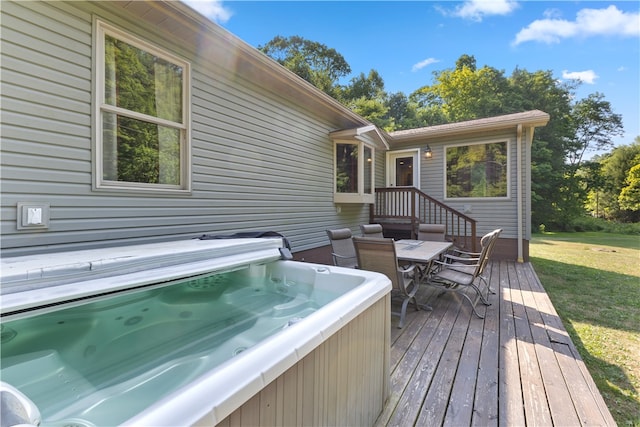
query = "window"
x=353 y=172
x=477 y=171
x=143 y=115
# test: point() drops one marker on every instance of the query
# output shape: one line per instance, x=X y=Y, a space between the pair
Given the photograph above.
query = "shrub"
x=589 y=223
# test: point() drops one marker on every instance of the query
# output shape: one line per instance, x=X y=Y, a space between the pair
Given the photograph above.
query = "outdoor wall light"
x=427 y=152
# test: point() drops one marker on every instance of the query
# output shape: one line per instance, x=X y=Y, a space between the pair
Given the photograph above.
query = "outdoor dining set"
x=430 y=260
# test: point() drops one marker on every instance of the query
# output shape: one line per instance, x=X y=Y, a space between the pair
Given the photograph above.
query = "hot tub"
x=196 y=332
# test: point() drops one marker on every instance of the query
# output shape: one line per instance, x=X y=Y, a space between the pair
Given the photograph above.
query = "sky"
x=595 y=42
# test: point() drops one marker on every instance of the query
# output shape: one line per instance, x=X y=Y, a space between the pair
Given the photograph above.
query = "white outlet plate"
x=33 y=215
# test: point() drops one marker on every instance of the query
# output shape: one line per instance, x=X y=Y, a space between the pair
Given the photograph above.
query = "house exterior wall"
x=491 y=213
x=259 y=161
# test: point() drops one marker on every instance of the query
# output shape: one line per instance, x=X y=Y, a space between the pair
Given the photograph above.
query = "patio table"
x=422 y=253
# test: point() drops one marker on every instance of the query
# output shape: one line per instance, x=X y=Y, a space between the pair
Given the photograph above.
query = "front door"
x=403 y=169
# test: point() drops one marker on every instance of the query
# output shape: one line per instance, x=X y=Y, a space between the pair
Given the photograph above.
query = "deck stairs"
x=401 y=209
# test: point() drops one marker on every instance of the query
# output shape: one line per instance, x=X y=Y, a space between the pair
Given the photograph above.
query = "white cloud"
x=589 y=22
x=212 y=9
x=621 y=68
x=476 y=10
x=588 y=76
x=552 y=13
x=420 y=65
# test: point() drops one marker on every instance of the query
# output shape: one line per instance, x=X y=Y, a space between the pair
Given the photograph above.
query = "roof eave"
x=369 y=134
x=534 y=118
x=265 y=67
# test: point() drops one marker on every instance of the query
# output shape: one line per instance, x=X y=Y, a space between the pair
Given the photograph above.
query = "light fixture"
x=427 y=152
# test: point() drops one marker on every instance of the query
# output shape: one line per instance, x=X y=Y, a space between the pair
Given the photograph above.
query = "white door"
x=403 y=169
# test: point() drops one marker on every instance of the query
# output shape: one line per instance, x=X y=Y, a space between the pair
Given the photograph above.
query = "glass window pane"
x=368 y=169
x=137 y=151
x=477 y=170
x=404 y=171
x=140 y=81
x=346 y=168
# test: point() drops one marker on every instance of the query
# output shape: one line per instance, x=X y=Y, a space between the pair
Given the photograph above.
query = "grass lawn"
x=593 y=280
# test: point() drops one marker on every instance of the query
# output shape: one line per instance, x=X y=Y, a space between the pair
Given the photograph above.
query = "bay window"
x=354 y=168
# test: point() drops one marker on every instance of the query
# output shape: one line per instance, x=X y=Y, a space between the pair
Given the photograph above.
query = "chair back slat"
x=432 y=232
x=371 y=230
x=342 y=249
x=462 y=272
x=379 y=255
x=488 y=243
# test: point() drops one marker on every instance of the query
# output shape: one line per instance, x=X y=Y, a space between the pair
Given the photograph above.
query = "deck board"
x=517 y=366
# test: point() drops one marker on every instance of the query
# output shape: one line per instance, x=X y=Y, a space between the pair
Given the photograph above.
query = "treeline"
x=613 y=184
x=564 y=185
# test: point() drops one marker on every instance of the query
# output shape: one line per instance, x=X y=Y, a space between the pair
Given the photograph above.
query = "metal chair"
x=371 y=230
x=432 y=232
x=464 y=261
x=379 y=255
x=342 y=249
x=459 y=273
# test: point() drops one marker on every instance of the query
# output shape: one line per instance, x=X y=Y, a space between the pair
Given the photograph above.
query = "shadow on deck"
x=517 y=366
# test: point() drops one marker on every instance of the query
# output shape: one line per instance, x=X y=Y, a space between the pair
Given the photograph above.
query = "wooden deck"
x=515 y=367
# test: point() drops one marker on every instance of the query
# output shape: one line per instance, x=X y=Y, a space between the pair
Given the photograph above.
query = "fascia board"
x=531 y=119
x=258 y=67
x=369 y=134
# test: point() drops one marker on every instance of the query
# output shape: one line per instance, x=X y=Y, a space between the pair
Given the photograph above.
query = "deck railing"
x=410 y=206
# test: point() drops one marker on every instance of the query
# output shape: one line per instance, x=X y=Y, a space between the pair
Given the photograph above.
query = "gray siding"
x=259 y=162
x=490 y=214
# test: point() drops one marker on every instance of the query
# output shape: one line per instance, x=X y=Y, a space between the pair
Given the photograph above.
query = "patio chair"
x=459 y=273
x=371 y=230
x=379 y=255
x=432 y=232
x=342 y=249
x=465 y=261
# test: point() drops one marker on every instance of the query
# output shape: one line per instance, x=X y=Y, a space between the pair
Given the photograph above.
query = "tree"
x=467 y=93
x=369 y=87
x=616 y=169
x=630 y=195
x=406 y=113
x=539 y=90
x=590 y=173
x=374 y=110
x=468 y=61
x=315 y=62
x=594 y=126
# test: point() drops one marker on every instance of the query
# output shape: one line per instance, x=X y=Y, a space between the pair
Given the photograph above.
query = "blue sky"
x=595 y=42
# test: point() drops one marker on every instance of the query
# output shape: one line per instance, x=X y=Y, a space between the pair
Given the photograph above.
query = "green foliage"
x=561 y=188
x=468 y=93
x=630 y=195
x=607 y=177
x=138 y=150
x=315 y=62
x=374 y=110
x=594 y=124
x=369 y=87
x=478 y=170
x=588 y=223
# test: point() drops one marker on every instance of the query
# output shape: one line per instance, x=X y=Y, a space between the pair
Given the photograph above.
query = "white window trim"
x=467 y=144
x=102 y=29
x=360 y=196
x=390 y=169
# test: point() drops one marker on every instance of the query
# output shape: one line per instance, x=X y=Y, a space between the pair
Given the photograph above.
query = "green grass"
x=593 y=280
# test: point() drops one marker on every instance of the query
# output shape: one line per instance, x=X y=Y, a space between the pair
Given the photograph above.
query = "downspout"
x=519 y=191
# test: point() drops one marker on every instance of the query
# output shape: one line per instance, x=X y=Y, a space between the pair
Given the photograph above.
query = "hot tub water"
x=102 y=362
